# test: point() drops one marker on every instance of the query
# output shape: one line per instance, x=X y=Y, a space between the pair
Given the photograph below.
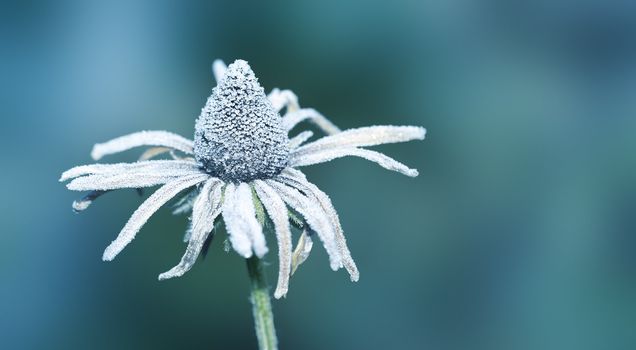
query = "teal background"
x=519 y=232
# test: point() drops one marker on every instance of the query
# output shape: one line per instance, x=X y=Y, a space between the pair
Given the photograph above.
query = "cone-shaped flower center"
x=239 y=136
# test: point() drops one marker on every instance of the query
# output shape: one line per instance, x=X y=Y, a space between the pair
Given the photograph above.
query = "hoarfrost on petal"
x=145 y=211
x=302 y=250
x=145 y=166
x=283 y=98
x=331 y=154
x=296 y=178
x=291 y=119
x=204 y=212
x=142 y=138
x=239 y=214
x=299 y=139
x=277 y=212
x=315 y=217
x=364 y=137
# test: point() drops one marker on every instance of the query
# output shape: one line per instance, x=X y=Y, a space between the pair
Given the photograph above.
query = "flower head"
x=241 y=167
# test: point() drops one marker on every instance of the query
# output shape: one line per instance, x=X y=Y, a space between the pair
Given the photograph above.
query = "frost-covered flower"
x=241 y=167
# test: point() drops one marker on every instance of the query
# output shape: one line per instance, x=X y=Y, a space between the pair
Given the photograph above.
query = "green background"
x=519 y=232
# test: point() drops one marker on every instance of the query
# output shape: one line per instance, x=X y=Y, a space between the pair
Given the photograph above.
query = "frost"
x=291 y=119
x=300 y=139
x=205 y=210
x=142 y=138
x=331 y=154
x=277 y=212
x=314 y=216
x=238 y=136
x=146 y=166
x=297 y=179
x=364 y=137
x=283 y=98
x=83 y=203
x=302 y=250
x=145 y=211
x=239 y=215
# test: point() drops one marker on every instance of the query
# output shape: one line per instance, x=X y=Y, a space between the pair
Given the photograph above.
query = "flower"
x=242 y=167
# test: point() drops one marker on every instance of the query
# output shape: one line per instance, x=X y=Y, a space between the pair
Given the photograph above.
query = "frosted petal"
x=83 y=203
x=291 y=119
x=142 y=138
x=154 y=152
x=331 y=154
x=206 y=208
x=218 y=69
x=147 y=166
x=245 y=232
x=299 y=139
x=302 y=250
x=283 y=98
x=277 y=212
x=126 y=180
x=363 y=137
x=314 y=216
x=297 y=179
x=145 y=211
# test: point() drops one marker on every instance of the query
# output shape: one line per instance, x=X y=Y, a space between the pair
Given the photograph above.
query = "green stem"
x=261 y=306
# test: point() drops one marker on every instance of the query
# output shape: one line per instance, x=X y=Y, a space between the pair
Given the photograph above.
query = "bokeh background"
x=519 y=233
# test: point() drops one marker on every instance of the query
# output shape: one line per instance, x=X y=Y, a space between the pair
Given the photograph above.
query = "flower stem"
x=261 y=306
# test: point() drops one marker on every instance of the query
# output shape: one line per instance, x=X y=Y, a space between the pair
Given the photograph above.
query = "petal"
x=277 y=212
x=283 y=98
x=218 y=69
x=241 y=223
x=205 y=210
x=145 y=211
x=291 y=119
x=314 y=216
x=327 y=155
x=364 y=137
x=297 y=179
x=83 y=203
x=126 y=180
x=299 y=139
x=302 y=250
x=142 y=138
x=118 y=168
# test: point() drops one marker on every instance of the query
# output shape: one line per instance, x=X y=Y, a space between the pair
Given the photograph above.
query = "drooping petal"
x=299 y=139
x=376 y=157
x=283 y=98
x=297 y=179
x=277 y=212
x=364 y=137
x=146 y=209
x=205 y=210
x=314 y=216
x=218 y=69
x=239 y=215
x=83 y=203
x=291 y=119
x=142 y=138
x=125 y=180
x=302 y=250
x=146 y=166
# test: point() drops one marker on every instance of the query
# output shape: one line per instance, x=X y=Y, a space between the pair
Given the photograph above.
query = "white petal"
x=300 y=139
x=142 y=138
x=291 y=119
x=145 y=211
x=302 y=250
x=277 y=212
x=154 y=152
x=363 y=137
x=126 y=180
x=314 y=216
x=327 y=155
x=118 y=168
x=218 y=69
x=297 y=179
x=205 y=210
x=239 y=215
x=283 y=98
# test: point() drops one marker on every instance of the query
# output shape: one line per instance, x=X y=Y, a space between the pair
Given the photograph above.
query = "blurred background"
x=519 y=233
